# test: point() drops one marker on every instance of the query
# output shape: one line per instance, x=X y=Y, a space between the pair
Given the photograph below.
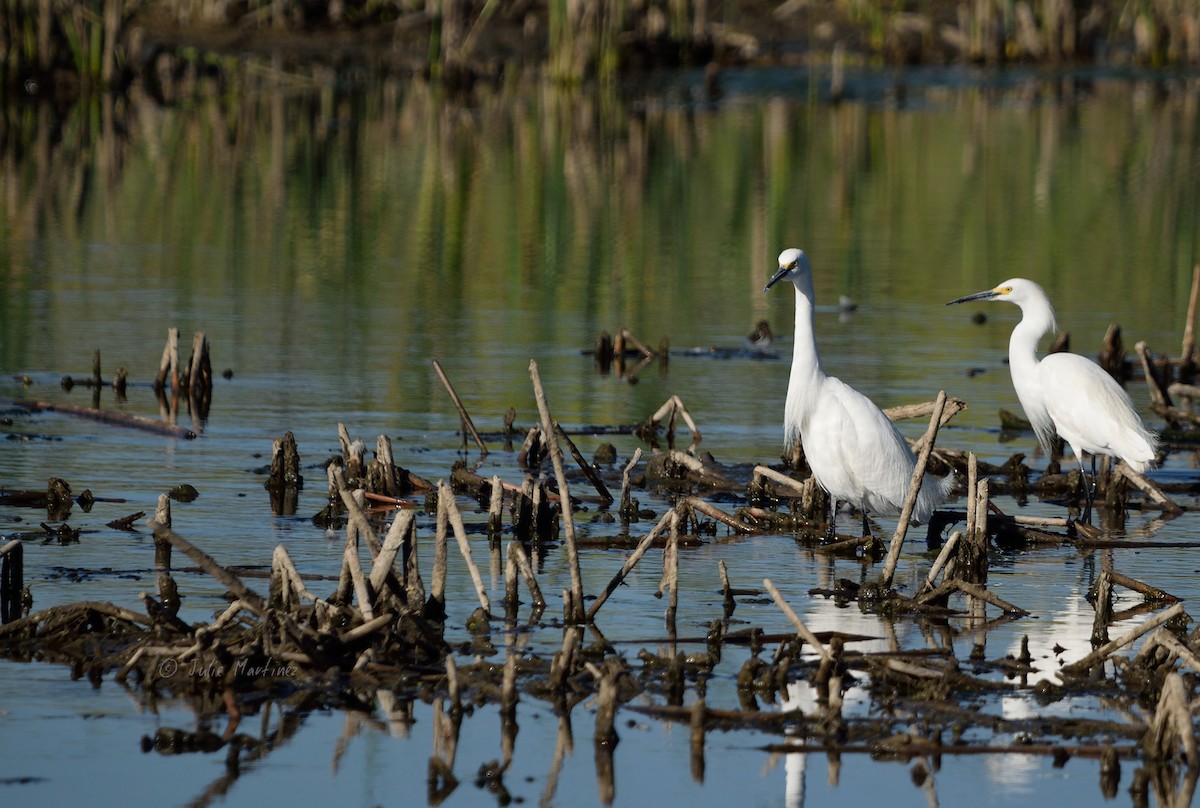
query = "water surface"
x=333 y=243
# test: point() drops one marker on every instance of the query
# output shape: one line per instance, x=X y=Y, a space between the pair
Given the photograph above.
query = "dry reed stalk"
x=464 y=545
x=203 y=560
x=283 y=560
x=797 y=486
x=585 y=466
x=462 y=411
x=168 y=366
x=517 y=552
x=111 y=417
x=1172 y=724
x=1165 y=639
x=362 y=592
x=671 y=407
x=626 y=500
x=496 y=509
x=511 y=600
x=801 y=629
x=914 y=488
x=437 y=592
x=667 y=520
x=355 y=518
x=1101 y=597
x=1147 y=486
x=1158 y=395
x=1150 y=592
x=574 y=613
x=387 y=465
x=397 y=535
x=1112 y=646
x=972 y=487
x=12 y=580
x=696 y=740
x=1188 y=347
x=670 y=575
x=718 y=514
x=986 y=595
x=940 y=561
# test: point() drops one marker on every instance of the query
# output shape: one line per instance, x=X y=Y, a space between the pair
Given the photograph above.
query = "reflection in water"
x=331 y=243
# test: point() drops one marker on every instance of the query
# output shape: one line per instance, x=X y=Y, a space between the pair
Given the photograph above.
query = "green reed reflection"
x=398 y=207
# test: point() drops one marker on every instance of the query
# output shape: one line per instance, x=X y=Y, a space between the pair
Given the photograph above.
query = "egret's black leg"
x=830 y=534
x=1089 y=491
x=866 y=534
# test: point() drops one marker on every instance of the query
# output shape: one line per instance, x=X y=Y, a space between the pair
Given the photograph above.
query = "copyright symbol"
x=168 y=667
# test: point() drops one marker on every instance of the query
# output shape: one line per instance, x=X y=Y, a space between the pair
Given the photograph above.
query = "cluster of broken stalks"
x=383 y=633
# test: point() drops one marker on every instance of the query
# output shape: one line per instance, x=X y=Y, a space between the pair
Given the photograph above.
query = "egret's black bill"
x=782 y=271
x=988 y=295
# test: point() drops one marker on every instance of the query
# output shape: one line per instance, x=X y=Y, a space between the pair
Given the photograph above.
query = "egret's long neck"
x=807 y=373
x=1037 y=318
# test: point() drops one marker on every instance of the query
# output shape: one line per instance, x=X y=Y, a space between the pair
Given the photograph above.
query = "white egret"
x=1067 y=393
x=856 y=454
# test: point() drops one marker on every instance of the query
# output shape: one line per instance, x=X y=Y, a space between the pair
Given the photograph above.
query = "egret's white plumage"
x=856 y=454
x=1065 y=393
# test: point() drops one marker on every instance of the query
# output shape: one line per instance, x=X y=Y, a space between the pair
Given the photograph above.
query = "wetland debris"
x=379 y=636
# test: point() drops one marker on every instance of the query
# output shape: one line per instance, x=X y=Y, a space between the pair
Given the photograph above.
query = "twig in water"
x=574 y=613
x=462 y=411
x=464 y=546
x=668 y=518
x=801 y=629
x=914 y=488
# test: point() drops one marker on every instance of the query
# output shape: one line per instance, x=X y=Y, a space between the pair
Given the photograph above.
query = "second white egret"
x=856 y=454
x=1066 y=393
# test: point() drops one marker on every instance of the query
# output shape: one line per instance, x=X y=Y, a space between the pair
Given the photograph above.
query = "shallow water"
x=333 y=245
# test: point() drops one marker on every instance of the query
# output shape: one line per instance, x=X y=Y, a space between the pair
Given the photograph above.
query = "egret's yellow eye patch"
x=1003 y=290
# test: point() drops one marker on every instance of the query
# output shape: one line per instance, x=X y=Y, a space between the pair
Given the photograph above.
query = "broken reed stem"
x=633 y=461
x=361 y=592
x=914 y=488
x=462 y=411
x=464 y=545
x=584 y=466
x=1108 y=648
x=392 y=544
x=575 y=611
x=1142 y=588
x=1158 y=396
x=511 y=601
x=668 y=518
x=986 y=595
x=782 y=479
x=1172 y=723
x=1189 y=342
x=292 y=578
x=1148 y=488
x=356 y=519
x=253 y=600
x=795 y=620
x=496 y=508
x=1165 y=639
x=641 y=347
x=517 y=552
x=940 y=561
x=437 y=591
x=12 y=580
x=168 y=366
x=670 y=575
x=718 y=514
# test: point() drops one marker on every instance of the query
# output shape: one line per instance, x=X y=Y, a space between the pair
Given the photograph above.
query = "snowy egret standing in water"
x=1067 y=393
x=856 y=454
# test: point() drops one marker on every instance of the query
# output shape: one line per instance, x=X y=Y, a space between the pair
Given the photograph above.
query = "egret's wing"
x=870 y=459
x=1091 y=411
